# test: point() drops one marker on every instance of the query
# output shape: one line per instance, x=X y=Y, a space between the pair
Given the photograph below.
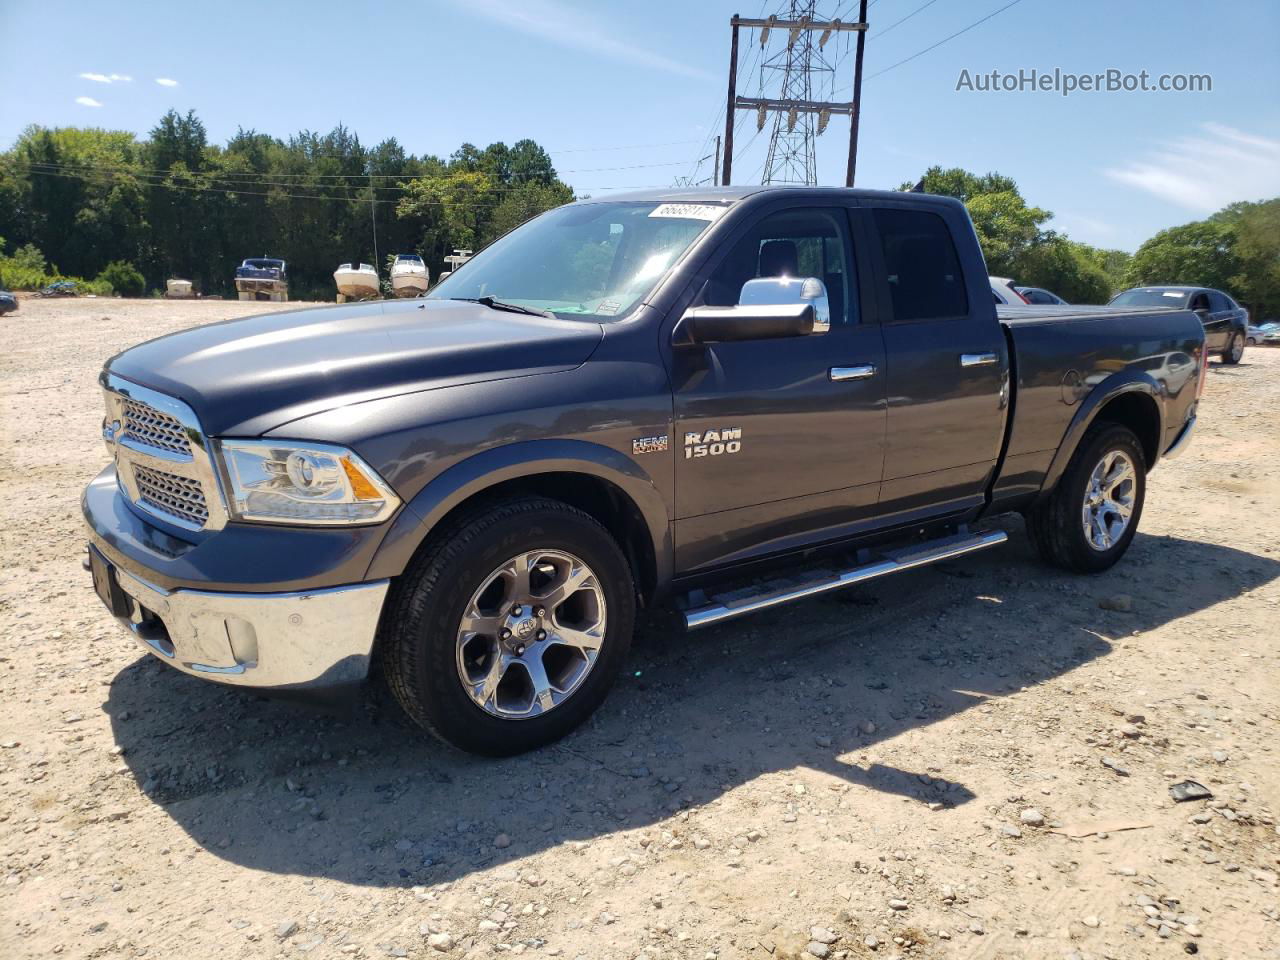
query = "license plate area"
x=106 y=585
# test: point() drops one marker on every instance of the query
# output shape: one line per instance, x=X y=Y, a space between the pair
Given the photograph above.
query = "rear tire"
x=1080 y=527
x=1235 y=350
x=425 y=654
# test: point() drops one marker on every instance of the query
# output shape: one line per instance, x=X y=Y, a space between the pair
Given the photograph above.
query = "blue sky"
x=625 y=94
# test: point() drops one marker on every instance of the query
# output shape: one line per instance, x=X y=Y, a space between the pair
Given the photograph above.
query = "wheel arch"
x=598 y=480
x=1128 y=398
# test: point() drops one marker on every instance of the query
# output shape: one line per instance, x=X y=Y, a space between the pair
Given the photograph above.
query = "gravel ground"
x=972 y=760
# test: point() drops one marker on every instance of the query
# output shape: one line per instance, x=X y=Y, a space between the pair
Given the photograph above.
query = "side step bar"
x=892 y=561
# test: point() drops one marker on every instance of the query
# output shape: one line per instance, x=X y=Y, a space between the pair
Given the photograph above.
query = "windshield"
x=1152 y=297
x=597 y=260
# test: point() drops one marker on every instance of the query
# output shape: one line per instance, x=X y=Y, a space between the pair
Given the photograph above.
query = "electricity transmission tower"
x=799 y=73
x=801 y=67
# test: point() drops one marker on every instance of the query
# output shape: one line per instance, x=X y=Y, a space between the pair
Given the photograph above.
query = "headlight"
x=283 y=482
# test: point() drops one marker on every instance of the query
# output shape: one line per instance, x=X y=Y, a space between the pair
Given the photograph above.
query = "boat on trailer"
x=409 y=275
x=356 y=281
x=262 y=278
x=176 y=289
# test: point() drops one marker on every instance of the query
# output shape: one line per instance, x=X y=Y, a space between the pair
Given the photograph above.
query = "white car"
x=1258 y=334
x=1003 y=290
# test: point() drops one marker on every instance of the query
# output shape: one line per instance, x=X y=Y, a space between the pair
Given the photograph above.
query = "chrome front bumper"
x=306 y=641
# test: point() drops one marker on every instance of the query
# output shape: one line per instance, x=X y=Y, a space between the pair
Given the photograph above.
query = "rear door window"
x=921 y=266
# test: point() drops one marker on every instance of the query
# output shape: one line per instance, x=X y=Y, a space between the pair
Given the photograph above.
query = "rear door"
x=1215 y=325
x=947 y=362
x=778 y=440
x=1223 y=316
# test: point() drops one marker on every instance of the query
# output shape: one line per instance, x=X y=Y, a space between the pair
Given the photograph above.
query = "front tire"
x=509 y=627
x=1235 y=350
x=1090 y=519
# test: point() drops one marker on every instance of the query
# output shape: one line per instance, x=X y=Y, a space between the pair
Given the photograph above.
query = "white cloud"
x=578 y=30
x=1205 y=173
x=1080 y=221
x=107 y=77
x=166 y=82
x=87 y=102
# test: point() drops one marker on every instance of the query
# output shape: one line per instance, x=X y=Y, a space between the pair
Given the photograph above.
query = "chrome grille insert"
x=177 y=496
x=145 y=424
x=163 y=462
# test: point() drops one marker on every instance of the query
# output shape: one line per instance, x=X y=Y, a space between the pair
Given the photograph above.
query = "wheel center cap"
x=523 y=628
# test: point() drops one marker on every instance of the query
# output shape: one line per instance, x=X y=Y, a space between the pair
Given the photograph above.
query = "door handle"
x=864 y=371
x=978 y=359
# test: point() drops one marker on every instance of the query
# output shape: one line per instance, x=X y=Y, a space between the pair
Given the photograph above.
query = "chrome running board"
x=892 y=561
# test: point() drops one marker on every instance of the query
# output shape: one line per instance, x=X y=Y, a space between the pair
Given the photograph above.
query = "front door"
x=779 y=440
x=947 y=367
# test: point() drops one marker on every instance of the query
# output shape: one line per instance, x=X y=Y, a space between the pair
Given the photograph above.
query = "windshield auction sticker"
x=688 y=211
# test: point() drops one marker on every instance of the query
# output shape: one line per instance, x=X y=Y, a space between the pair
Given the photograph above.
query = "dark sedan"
x=1225 y=321
x=8 y=302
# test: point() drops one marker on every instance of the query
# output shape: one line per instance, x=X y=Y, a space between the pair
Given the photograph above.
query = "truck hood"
x=246 y=376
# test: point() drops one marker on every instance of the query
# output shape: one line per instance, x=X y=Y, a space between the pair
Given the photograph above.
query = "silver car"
x=1258 y=335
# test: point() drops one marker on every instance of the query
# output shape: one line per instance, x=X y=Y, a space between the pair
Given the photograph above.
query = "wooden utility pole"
x=716 y=177
x=729 y=108
x=373 y=220
x=857 y=98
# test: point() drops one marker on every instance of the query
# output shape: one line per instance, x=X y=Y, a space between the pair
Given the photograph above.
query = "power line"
x=634 y=146
x=108 y=177
x=935 y=46
x=929 y=3
x=255 y=179
x=713 y=129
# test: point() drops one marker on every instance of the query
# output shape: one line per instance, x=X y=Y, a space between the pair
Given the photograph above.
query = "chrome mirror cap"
x=790 y=290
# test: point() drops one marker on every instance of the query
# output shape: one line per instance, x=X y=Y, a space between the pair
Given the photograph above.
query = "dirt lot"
x=968 y=761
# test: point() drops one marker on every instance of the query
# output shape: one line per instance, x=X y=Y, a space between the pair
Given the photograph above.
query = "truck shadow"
x=824 y=685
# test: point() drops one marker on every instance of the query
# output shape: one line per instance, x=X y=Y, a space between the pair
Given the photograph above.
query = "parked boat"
x=262 y=278
x=176 y=289
x=409 y=276
x=356 y=281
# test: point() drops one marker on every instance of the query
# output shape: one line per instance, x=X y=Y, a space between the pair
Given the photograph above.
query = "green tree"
x=1067 y=268
x=1006 y=226
x=524 y=202
x=176 y=204
x=124 y=278
x=1257 y=249
x=1200 y=253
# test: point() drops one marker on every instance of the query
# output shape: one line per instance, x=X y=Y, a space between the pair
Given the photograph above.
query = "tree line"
x=1236 y=250
x=126 y=214
x=76 y=200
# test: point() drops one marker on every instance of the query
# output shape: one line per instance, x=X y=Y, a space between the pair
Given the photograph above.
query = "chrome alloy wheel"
x=1237 y=348
x=1109 y=500
x=531 y=634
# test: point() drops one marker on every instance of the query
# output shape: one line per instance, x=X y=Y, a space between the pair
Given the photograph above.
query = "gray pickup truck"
x=720 y=400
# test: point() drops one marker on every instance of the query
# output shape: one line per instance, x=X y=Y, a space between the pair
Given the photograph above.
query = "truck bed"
x=1028 y=315
x=1060 y=353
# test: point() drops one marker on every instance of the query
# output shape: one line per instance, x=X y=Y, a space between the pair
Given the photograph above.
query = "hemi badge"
x=649 y=445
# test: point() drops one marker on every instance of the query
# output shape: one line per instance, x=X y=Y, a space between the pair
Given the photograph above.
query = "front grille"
x=180 y=497
x=154 y=428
